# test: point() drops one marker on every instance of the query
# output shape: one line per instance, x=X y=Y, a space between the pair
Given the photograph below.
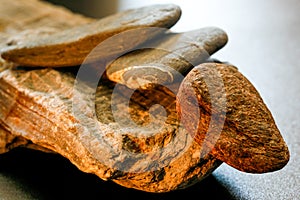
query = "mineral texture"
x=71 y=46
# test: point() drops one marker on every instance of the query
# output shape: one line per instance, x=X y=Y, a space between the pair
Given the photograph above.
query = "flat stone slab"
x=70 y=47
x=167 y=58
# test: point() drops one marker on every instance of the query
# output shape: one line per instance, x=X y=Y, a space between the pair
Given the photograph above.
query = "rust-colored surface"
x=44 y=109
x=235 y=124
x=37 y=105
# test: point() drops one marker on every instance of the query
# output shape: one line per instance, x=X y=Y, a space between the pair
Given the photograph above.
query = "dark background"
x=91 y=8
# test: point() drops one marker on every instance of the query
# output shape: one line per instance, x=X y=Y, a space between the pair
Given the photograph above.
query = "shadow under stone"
x=51 y=176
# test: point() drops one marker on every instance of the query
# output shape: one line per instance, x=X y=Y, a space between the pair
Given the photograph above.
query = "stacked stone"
x=125 y=98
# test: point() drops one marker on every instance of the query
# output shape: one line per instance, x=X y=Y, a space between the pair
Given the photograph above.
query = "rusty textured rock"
x=170 y=54
x=249 y=139
x=36 y=106
x=147 y=148
x=41 y=111
x=19 y=21
x=10 y=141
x=70 y=47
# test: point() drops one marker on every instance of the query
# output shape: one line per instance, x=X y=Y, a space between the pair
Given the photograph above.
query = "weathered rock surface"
x=166 y=59
x=71 y=46
x=42 y=107
x=19 y=21
x=9 y=141
x=142 y=138
x=23 y=20
x=234 y=122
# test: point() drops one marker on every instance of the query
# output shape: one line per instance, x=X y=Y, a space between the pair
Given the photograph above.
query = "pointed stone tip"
x=255 y=160
x=217 y=39
x=8 y=54
x=249 y=139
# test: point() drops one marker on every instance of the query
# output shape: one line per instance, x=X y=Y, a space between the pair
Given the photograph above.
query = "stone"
x=48 y=111
x=41 y=112
x=18 y=22
x=151 y=139
x=70 y=47
x=10 y=141
x=166 y=59
x=232 y=121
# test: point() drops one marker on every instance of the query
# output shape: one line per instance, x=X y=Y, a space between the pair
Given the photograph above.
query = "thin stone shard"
x=167 y=58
